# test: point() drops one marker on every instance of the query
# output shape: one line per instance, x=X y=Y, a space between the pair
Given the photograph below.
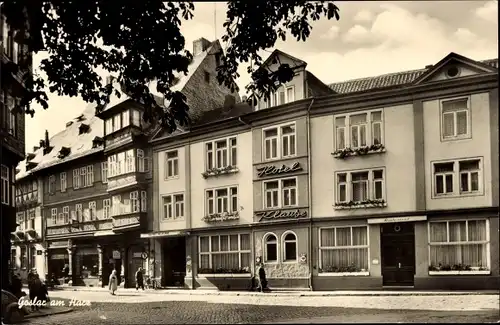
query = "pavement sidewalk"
x=48 y=312
x=216 y=292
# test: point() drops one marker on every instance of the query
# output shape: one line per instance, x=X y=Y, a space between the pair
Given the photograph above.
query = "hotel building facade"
x=389 y=181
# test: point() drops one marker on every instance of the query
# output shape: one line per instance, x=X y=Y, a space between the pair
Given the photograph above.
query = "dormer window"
x=30 y=156
x=97 y=142
x=83 y=128
x=64 y=152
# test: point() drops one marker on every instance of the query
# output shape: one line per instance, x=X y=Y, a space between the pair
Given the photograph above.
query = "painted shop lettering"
x=278 y=214
x=273 y=170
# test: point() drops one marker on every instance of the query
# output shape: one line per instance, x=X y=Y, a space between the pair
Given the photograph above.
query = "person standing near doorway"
x=113 y=282
x=139 y=279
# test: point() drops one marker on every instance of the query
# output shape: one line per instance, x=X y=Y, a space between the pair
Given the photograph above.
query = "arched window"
x=271 y=248
x=289 y=247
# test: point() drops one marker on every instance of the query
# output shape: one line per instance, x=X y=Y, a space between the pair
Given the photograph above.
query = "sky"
x=371 y=38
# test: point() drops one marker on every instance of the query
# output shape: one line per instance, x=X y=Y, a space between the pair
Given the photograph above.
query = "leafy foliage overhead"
x=143 y=43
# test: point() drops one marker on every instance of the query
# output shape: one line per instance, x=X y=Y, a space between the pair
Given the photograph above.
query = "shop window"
x=343 y=249
x=13 y=258
x=271 y=248
x=87 y=263
x=33 y=257
x=224 y=254
x=289 y=247
x=459 y=245
x=24 y=258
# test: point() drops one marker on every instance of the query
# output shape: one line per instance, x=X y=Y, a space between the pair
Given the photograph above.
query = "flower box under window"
x=360 y=204
x=222 y=272
x=361 y=151
x=347 y=270
x=216 y=217
x=214 y=172
x=457 y=269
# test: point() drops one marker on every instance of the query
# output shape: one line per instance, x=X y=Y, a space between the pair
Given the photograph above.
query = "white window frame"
x=174 y=203
x=279 y=141
x=116 y=205
x=211 y=155
x=20 y=219
x=455 y=136
x=467 y=242
x=352 y=246
x=79 y=212
x=106 y=208
x=369 y=128
x=104 y=172
x=141 y=161
x=215 y=200
x=76 y=178
x=112 y=166
x=5 y=177
x=280 y=193
x=92 y=210
x=266 y=251
x=134 y=202
x=64 y=183
x=283 y=246
x=240 y=251
x=371 y=184
x=53 y=216
x=144 y=201
x=172 y=161
x=66 y=214
x=130 y=165
x=52 y=184
x=90 y=176
x=456 y=178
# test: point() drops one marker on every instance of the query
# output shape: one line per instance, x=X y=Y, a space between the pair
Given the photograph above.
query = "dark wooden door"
x=398 y=254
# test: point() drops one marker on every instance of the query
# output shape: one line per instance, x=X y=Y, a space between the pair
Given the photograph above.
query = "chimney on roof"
x=429 y=66
x=200 y=45
x=109 y=79
x=42 y=144
x=229 y=102
x=47 y=143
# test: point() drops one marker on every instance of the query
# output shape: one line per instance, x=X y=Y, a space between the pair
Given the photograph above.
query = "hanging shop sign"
x=144 y=255
x=276 y=170
x=116 y=255
x=279 y=214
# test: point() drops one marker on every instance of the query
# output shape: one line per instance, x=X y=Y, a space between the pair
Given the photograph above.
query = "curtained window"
x=454 y=243
x=270 y=248
x=224 y=254
x=344 y=249
x=290 y=248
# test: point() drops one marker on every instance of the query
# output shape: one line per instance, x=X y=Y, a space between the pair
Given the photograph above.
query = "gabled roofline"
x=278 y=52
x=453 y=56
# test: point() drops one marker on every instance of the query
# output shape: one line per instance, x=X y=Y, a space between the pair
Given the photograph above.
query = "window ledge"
x=361 y=206
x=366 y=273
x=362 y=151
x=214 y=172
x=224 y=275
x=484 y=272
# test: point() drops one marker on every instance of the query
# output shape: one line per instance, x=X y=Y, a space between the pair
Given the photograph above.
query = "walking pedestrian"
x=262 y=278
x=113 y=282
x=139 y=279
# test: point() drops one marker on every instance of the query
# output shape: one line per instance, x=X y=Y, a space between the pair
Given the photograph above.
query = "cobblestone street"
x=131 y=307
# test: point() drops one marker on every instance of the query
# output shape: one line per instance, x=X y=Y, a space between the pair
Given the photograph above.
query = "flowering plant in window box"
x=361 y=151
x=216 y=217
x=220 y=171
x=361 y=204
x=221 y=270
x=351 y=268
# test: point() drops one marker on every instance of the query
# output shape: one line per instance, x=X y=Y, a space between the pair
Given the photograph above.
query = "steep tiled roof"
x=80 y=144
x=397 y=79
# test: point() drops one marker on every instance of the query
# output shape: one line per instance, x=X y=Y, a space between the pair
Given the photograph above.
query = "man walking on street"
x=139 y=279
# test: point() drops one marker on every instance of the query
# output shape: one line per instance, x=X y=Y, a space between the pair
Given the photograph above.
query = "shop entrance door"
x=174 y=257
x=398 y=254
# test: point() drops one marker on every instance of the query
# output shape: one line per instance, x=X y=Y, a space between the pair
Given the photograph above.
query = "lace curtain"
x=224 y=252
x=344 y=246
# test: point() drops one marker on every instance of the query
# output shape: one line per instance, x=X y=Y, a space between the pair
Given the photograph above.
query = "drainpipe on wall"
x=309 y=182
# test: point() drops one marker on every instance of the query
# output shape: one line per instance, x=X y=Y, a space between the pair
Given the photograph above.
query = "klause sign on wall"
x=279 y=214
x=274 y=170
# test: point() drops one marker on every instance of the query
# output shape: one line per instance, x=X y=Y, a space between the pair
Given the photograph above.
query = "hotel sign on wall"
x=280 y=214
x=275 y=170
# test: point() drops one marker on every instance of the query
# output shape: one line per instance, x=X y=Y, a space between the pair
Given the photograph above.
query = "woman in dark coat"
x=262 y=279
